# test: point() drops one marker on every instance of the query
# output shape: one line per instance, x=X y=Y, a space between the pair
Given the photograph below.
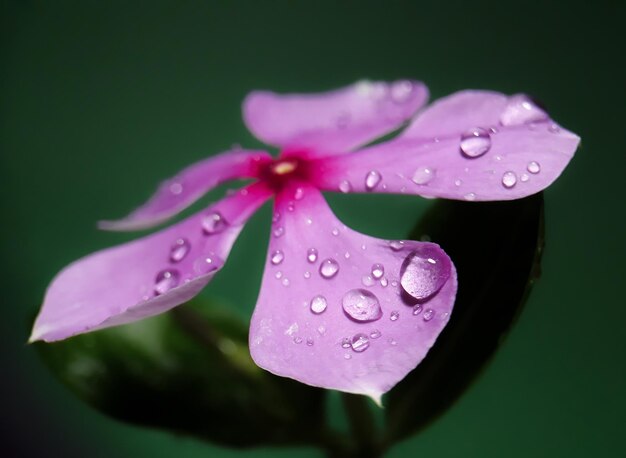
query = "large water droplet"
x=475 y=142
x=423 y=175
x=345 y=186
x=361 y=305
x=311 y=255
x=213 y=223
x=533 y=167
x=329 y=268
x=509 y=179
x=360 y=342
x=521 y=110
x=277 y=257
x=180 y=248
x=166 y=280
x=318 y=304
x=424 y=272
x=401 y=91
x=378 y=270
x=372 y=179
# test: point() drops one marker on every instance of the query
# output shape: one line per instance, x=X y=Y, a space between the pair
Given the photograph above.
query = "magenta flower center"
x=290 y=167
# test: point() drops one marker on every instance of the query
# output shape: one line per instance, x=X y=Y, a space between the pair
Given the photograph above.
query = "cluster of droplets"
x=166 y=279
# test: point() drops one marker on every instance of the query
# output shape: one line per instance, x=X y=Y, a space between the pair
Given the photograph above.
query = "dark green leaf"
x=496 y=247
x=188 y=371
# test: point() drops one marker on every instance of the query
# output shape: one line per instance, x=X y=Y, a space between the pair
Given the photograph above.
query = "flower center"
x=277 y=173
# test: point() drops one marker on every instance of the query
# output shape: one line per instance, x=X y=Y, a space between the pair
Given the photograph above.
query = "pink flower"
x=337 y=309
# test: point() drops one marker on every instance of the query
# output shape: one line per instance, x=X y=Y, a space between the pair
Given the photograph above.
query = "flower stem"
x=366 y=438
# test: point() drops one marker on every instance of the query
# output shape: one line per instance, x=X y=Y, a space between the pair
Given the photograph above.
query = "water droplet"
x=417 y=309
x=176 y=188
x=205 y=264
x=307 y=274
x=361 y=305
x=277 y=257
x=285 y=281
x=554 y=128
x=318 y=304
x=335 y=232
x=297 y=340
x=375 y=334
x=392 y=342
x=524 y=177
x=347 y=356
x=276 y=217
x=345 y=186
x=372 y=179
x=213 y=223
x=424 y=272
x=378 y=270
x=278 y=275
x=423 y=175
x=165 y=281
x=396 y=245
x=321 y=330
x=345 y=342
x=329 y=268
x=279 y=231
x=401 y=91
x=521 y=110
x=475 y=142
x=428 y=314
x=310 y=342
x=470 y=196
x=346 y=255
x=367 y=280
x=311 y=255
x=384 y=282
x=393 y=316
x=394 y=283
x=298 y=194
x=509 y=179
x=533 y=167
x=291 y=207
x=179 y=250
x=458 y=183
x=360 y=342
x=308 y=221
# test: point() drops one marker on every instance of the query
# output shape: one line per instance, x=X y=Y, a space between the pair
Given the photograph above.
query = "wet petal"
x=147 y=276
x=342 y=310
x=335 y=121
x=471 y=145
x=177 y=193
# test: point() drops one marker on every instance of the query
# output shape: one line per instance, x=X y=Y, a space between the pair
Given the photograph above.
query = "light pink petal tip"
x=341 y=310
x=336 y=121
x=177 y=193
x=472 y=145
x=147 y=276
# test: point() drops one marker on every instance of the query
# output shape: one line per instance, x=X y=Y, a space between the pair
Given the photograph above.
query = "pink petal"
x=147 y=276
x=177 y=193
x=332 y=122
x=472 y=145
x=301 y=321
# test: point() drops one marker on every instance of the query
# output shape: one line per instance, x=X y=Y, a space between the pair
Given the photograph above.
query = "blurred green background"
x=101 y=100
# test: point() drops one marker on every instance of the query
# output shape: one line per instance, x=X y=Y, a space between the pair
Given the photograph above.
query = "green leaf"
x=496 y=248
x=188 y=371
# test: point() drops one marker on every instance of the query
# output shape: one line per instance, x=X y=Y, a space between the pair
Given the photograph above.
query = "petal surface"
x=338 y=309
x=177 y=193
x=472 y=145
x=147 y=276
x=335 y=121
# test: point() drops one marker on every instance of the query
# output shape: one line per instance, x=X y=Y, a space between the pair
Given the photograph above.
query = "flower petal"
x=471 y=145
x=177 y=193
x=335 y=121
x=341 y=310
x=147 y=276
